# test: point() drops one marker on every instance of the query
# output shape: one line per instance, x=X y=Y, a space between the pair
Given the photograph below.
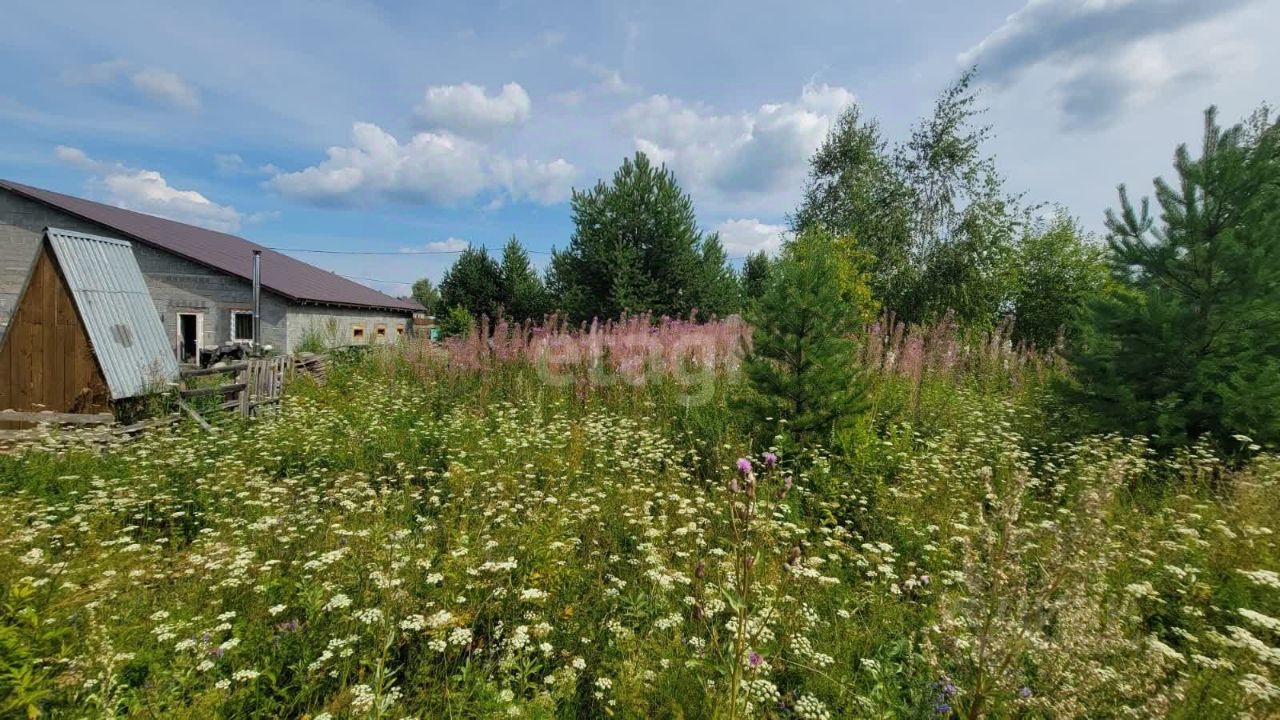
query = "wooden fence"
x=246 y=386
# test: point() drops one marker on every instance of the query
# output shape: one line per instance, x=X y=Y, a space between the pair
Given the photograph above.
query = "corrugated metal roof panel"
x=233 y=255
x=117 y=311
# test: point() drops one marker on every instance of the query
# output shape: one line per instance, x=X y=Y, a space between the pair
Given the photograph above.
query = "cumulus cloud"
x=437 y=167
x=466 y=108
x=1107 y=56
x=75 y=156
x=149 y=192
x=744 y=236
x=759 y=151
x=159 y=86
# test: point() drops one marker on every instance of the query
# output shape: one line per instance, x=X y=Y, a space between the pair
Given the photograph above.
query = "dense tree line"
x=1172 y=325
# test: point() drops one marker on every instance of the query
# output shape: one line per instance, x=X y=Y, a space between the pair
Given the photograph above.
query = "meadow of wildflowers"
x=459 y=534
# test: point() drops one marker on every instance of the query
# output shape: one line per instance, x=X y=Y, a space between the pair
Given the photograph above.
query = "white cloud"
x=449 y=245
x=160 y=86
x=608 y=80
x=466 y=108
x=149 y=192
x=167 y=88
x=436 y=167
x=1106 y=57
x=745 y=236
x=75 y=156
x=765 y=150
x=546 y=183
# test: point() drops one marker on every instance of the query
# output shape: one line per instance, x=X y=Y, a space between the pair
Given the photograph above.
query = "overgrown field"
x=411 y=540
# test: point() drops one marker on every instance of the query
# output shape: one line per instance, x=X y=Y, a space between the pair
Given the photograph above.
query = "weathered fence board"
x=57 y=418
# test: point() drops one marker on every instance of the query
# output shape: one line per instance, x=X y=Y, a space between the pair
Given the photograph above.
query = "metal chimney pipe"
x=257 y=297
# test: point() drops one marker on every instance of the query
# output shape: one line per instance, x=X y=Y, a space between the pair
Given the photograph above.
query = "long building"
x=200 y=280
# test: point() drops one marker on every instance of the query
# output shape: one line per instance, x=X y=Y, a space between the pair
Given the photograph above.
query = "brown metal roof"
x=233 y=255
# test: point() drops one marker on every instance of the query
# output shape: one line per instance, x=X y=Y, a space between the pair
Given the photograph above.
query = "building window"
x=380 y=333
x=399 y=330
x=357 y=333
x=241 y=325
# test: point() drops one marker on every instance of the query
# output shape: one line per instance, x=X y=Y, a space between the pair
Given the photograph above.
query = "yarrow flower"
x=338 y=602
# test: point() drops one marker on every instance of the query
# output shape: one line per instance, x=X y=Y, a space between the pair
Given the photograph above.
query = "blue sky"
x=424 y=126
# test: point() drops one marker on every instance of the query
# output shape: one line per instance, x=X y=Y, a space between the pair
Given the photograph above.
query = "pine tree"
x=526 y=298
x=754 y=278
x=636 y=247
x=474 y=283
x=1189 y=346
x=801 y=366
x=716 y=284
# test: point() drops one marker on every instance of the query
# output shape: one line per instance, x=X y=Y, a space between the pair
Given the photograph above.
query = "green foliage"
x=1190 y=346
x=801 y=364
x=526 y=298
x=427 y=295
x=474 y=282
x=854 y=188
x=636 y=248
x=313 y=341
x=932 y=212
x=1059 y=273
x=754 y=277
x=458 y=321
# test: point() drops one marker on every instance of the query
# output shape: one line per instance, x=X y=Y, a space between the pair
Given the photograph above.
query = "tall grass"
x=450 y=534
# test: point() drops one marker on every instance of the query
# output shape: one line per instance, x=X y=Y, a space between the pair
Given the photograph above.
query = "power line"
x=418 y=252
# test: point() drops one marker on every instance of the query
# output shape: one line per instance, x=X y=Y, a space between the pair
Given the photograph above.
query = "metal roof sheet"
x=233 y=255
x=116 y=308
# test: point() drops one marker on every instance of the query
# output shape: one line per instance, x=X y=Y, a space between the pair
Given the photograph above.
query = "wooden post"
x=244 y=377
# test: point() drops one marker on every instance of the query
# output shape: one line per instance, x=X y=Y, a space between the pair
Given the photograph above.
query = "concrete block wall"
x=334 y=325
x=22 y=224
x=178 y=285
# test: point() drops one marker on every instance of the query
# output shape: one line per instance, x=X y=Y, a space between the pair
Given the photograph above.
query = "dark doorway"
x=188 y=343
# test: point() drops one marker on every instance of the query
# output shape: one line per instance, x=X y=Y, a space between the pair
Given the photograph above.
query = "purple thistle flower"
x=770 y=460
x=744 y=466
x=755 y=659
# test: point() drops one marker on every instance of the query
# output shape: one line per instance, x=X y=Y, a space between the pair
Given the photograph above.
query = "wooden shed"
x=84 y=331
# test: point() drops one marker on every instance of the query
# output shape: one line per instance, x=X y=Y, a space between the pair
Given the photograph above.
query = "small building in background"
x=200 y=280
x=84 y=332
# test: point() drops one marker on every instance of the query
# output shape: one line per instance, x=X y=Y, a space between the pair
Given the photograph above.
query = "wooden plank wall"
x=46 y=361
